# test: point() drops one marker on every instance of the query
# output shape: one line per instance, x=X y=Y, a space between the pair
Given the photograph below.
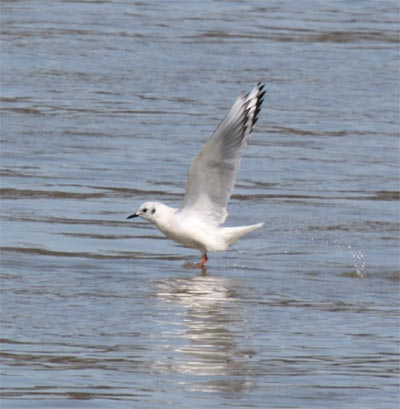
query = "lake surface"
x=104 y=105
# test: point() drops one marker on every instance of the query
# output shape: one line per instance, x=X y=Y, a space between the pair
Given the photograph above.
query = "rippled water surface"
x=104 y=104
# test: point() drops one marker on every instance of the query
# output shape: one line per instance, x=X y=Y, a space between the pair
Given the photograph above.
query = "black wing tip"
x=261 y=87
x=260 y=99
x=261 y=91
x=250 y=119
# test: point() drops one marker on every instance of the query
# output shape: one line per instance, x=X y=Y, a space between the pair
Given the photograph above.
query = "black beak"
x=132 y=216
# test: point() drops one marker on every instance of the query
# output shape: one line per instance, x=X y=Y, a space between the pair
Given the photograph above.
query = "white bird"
x=210 y=183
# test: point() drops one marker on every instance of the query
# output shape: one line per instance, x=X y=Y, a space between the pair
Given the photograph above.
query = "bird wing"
x=212 y=174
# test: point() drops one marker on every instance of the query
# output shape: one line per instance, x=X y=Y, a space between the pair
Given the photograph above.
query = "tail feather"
x=233 y=234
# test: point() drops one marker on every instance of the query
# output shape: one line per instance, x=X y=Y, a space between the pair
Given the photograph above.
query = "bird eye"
x=153 y=211
x=144 y=210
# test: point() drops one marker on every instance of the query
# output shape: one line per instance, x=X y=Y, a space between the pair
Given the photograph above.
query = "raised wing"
x=212 y=174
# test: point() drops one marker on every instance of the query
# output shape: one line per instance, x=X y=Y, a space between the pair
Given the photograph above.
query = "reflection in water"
x=211 y=350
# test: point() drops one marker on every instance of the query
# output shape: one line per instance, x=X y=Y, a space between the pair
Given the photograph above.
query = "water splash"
x=358 y=261
x=358 y=256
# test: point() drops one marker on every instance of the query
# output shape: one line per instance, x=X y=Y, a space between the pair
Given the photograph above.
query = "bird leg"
x=200 y=265
x=203 y=261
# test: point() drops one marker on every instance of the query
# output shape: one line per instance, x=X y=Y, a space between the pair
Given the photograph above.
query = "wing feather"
x=212 y=174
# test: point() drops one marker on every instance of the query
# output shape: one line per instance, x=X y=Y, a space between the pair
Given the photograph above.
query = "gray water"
x=104 y=105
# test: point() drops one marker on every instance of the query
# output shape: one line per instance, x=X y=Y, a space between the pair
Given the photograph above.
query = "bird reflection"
x=212 y=353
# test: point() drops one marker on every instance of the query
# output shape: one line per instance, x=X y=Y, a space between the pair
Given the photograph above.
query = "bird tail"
x=233 y=234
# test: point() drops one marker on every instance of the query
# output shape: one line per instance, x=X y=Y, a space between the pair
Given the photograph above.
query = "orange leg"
x=203 y=261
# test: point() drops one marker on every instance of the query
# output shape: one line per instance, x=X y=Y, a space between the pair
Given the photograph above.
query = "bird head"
x=149 y=211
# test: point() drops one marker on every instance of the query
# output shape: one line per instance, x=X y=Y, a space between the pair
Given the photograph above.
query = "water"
x=104 y=104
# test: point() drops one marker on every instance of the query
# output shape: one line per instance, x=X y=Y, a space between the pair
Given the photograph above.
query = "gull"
x=210 y=184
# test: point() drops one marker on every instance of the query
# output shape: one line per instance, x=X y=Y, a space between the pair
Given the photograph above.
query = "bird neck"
x=165 y=214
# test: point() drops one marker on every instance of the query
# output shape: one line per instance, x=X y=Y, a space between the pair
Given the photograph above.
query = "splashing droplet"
x=359 y=262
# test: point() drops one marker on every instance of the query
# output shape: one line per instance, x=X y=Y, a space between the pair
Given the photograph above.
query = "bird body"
x=210 y=183
x=193 y=232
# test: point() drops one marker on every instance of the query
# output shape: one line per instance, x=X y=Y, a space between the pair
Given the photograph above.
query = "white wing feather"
x=212 y=174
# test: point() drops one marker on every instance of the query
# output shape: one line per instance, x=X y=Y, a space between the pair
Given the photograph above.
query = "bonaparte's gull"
x=210 y=183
